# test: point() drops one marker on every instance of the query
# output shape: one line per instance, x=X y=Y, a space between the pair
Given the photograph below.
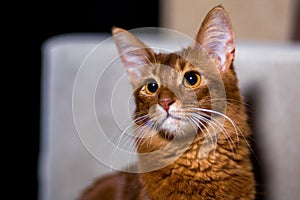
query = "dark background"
x=35 y=23
x=27 y=26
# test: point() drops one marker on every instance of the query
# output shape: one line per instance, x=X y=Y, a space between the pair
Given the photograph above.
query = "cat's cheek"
x=157 y=114
x=146 y=101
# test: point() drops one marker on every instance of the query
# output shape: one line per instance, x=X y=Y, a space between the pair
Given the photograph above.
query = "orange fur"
x=213 y=169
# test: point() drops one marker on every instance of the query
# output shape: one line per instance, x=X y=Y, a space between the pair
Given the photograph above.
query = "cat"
x=187 y=103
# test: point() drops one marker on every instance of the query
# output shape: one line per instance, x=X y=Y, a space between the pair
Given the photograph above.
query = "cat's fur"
x=224 y=171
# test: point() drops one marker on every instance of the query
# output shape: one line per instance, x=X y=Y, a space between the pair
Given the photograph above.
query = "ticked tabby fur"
x=175 y=102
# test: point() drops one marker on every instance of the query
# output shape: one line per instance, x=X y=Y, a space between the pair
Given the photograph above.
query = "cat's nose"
x=166 y=103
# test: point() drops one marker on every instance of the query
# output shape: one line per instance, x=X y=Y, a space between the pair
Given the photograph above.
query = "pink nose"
x=166 y=103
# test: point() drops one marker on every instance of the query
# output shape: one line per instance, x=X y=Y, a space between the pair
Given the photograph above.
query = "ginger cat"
x=179 y=101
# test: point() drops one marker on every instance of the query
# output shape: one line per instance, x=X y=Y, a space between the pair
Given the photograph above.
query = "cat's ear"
x=134 y=53
x=216 y=36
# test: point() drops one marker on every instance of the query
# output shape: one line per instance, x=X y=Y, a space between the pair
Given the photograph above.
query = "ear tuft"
x=216 y=36
x=134 y=53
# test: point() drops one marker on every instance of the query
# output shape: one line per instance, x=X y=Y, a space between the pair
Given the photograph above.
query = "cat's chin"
x=166 y=134
x=175 y=127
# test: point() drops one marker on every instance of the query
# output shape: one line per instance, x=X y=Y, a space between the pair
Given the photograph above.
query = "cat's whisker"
x=215 y=122
x=150 y=124
x=154 y=125
x=221 y=126
x=197 y=122
x=193 y=121
x=211 y=138
x=210 y=123
x=141 y=132
x=123 y=141
x=238 y=132
x=235 y=126
x=234 y=102
x=121 y=138
x=152 y=136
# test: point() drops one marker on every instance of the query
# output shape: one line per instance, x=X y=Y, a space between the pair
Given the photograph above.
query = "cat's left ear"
x=216 y=36
x=134 y=53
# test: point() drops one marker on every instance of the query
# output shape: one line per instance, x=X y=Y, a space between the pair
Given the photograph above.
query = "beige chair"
x=269 y=77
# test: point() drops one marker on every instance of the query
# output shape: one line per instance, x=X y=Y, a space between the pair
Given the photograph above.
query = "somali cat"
x=191 y=123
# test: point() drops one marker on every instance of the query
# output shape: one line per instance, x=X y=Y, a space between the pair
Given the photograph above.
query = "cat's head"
x=173 y=91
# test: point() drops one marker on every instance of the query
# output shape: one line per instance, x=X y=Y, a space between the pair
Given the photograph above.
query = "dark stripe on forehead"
x=173 y=60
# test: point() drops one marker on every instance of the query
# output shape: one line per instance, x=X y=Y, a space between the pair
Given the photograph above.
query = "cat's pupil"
x=152 y=87
x=191 y=78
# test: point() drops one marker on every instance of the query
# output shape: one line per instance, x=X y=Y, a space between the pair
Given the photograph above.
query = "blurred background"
x=268 y=20
x=256 y=20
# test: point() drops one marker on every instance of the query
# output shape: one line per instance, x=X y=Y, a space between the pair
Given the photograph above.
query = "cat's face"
x=172 y=91
x=168 y=93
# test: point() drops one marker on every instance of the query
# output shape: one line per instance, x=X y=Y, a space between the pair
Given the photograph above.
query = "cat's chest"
x=173 y=186
x=187 y=185
x=189 y=177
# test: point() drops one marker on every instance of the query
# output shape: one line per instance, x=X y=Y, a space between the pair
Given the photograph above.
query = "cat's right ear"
x=216 y=36
x=134 y=53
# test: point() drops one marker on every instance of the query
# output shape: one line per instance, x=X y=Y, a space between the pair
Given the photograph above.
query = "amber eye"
x=151 y=87
x=191 y=80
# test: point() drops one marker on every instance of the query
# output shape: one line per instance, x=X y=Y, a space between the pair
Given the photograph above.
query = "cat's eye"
x=191 y=79
x=151 y=87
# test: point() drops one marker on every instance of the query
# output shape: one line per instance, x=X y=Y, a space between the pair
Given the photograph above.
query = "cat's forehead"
x=178 y=63
x=168 y=69
x=174 y=61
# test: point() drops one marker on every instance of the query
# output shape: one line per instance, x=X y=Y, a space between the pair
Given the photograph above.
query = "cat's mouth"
x=171 y=116
x=174 y=120
x=174 y=125
x=171 y=124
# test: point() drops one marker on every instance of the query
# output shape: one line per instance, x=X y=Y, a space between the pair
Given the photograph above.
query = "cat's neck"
x=198 y=156
x=199 y=165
